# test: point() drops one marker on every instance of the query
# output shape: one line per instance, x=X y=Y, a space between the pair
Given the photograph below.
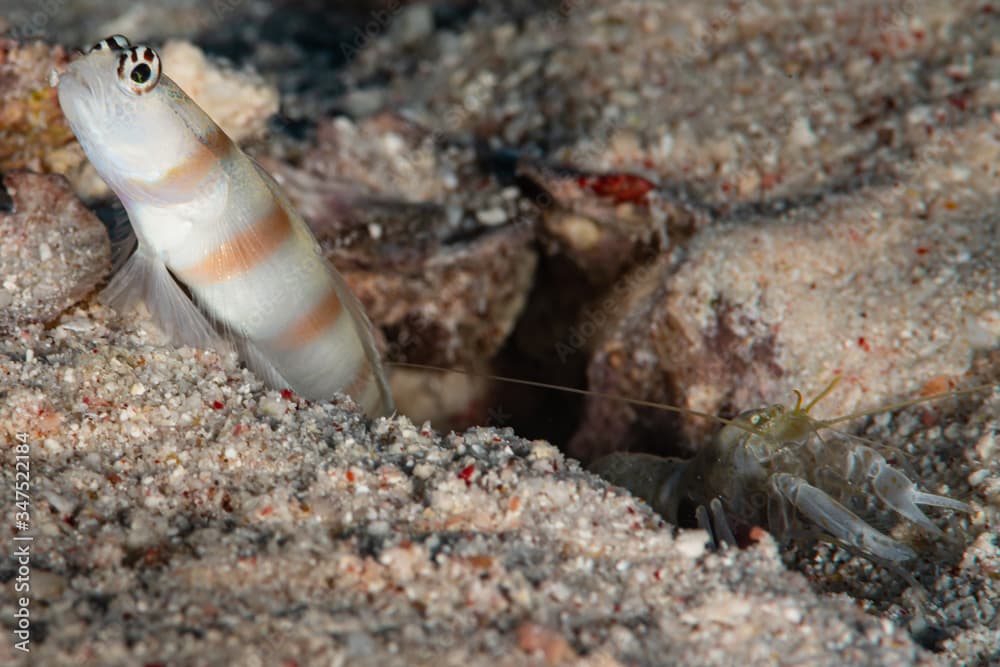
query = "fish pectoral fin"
x=146 y=279
x=259 y=363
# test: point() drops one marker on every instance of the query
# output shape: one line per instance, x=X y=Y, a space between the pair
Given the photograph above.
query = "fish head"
x=119 y=105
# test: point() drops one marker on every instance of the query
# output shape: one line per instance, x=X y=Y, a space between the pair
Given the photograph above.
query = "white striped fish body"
x=207 y=216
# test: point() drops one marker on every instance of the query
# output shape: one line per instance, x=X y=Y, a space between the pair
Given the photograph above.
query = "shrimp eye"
x=112 y=43
x=756 y=419
x=139 y=69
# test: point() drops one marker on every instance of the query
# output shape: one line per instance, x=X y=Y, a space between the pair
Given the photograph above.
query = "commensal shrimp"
x=774 y=467
x=779 y=468
x=210 y=222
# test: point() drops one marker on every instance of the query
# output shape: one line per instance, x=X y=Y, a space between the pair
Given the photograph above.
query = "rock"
x=53 y=251
x=238 y=100
x=892 y=288
x=742 y=103
x=34 y=134
x=606 y=223
x=399 y=217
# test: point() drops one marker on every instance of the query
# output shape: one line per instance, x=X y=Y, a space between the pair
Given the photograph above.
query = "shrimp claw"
x=897 y=491
x=840 y=522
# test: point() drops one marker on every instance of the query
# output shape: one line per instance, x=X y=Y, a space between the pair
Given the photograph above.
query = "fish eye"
x=141 y=73
x=139 y=69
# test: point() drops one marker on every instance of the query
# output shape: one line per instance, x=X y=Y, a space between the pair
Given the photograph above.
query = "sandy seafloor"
x=184 y=514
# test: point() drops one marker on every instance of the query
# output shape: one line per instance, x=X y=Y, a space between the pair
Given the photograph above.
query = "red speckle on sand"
x=769 y=180
x=288 y=394
x=936 y=385
x=621 y=188
x=466 y=474
x=757 y=534
x=218 y=405
x=863 y=344
x=349 y=475
x=923 y=250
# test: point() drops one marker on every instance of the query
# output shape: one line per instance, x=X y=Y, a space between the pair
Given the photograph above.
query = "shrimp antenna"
x=819 y=397
x=572 y=390
x=989 y=386
x=820 y=423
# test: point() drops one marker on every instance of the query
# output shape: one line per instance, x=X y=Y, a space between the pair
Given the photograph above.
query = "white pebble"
x=801 y=133
x=793 y=615
x=691 y=543
x=393 y=143
x=423 y=471
x=492 y=216
x=978 y=477
x=271 y=407
x=44 y=252
x=137 y=389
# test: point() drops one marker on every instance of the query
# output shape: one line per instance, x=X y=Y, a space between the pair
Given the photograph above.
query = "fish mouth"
x=60 y=68
x=68 y=76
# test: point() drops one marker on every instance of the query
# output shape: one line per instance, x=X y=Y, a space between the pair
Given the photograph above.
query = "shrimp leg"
x=714 y=522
